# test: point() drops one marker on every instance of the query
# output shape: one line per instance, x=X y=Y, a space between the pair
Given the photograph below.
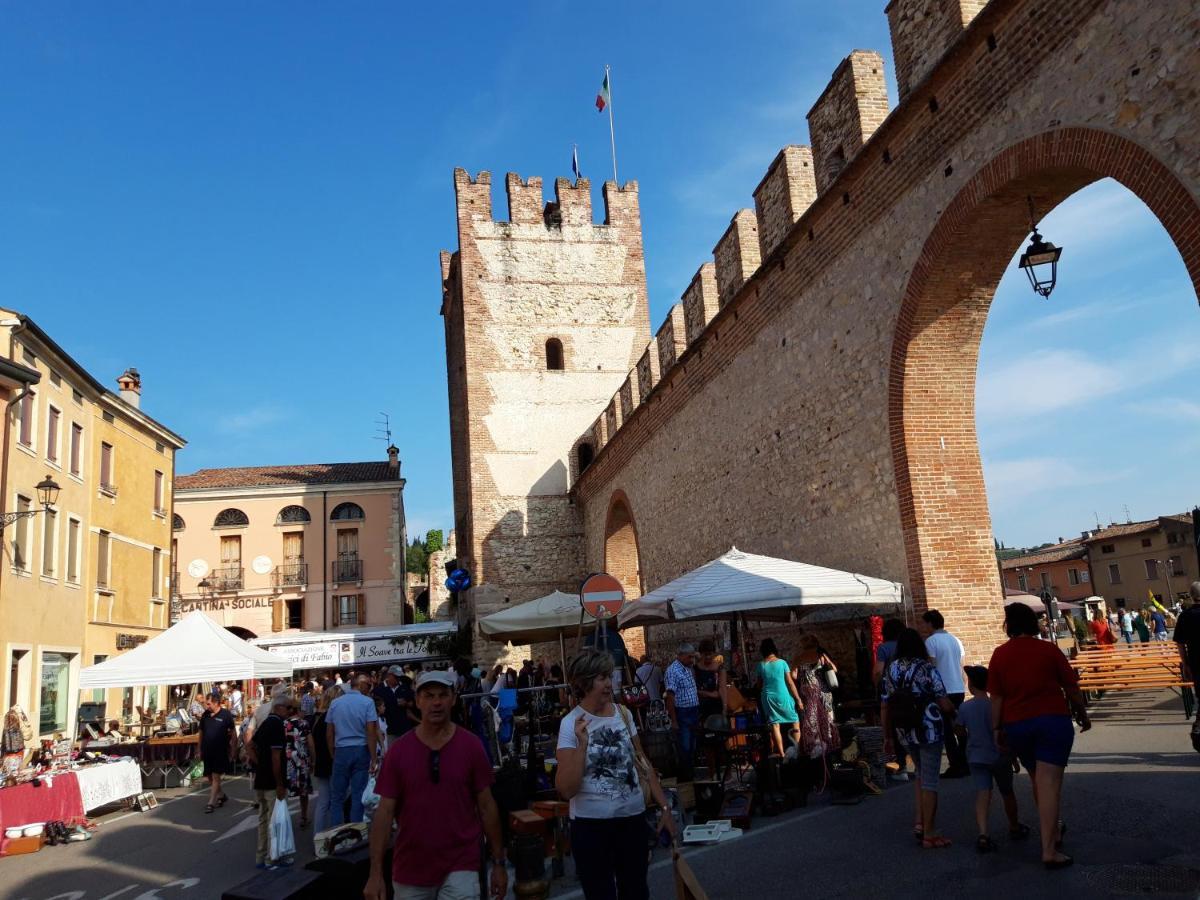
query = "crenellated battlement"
x=527 y=204
x=846 y=114
x=922 y=31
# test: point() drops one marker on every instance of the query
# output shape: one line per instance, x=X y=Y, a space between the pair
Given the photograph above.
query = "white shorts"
x=457 y=886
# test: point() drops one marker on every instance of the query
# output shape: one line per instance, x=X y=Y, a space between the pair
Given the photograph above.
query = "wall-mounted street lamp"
x=47 y=491
x=1040 y=259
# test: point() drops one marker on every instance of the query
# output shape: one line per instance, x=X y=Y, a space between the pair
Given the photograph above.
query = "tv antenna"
x=383 y=428
x=1128 y=518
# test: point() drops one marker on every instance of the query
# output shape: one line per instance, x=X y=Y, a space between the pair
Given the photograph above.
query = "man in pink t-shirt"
x=436 y=785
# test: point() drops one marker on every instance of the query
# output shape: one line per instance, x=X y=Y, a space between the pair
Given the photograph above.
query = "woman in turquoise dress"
x=780 y=701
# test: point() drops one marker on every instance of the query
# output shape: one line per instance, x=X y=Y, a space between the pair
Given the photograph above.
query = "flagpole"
x=611 y=132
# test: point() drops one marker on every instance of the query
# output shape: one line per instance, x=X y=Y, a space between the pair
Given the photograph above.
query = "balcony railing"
x=228 y=578
x=108 y=488
x=347 y=570
x=290 y=575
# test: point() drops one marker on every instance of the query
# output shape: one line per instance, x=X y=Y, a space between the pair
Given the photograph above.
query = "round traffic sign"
x=602 y=595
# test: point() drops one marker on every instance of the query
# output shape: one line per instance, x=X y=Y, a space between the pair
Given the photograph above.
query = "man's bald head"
x=363 y=684
x=1195 y=591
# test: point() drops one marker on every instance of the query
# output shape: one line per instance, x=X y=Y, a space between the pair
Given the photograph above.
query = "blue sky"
x=246 y=202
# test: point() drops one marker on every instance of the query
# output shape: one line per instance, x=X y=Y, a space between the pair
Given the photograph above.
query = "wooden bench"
x=1134 y=667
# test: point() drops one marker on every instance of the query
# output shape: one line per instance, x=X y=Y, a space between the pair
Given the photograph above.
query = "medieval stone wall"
x=821 y=406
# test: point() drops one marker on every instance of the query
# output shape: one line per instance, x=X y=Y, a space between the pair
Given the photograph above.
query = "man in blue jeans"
x=683 y=705
x=352 y=729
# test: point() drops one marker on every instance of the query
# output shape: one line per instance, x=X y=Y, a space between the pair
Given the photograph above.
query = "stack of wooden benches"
x=1143 y=666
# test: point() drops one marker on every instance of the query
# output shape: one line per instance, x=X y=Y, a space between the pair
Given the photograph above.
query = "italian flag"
x=603 y=98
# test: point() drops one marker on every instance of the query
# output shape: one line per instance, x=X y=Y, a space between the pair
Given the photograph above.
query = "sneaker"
x=898 y=776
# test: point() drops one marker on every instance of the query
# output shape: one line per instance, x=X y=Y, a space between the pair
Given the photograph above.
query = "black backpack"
x=906 y=707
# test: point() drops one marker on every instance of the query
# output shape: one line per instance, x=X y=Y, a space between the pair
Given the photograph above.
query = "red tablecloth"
x=25 y=804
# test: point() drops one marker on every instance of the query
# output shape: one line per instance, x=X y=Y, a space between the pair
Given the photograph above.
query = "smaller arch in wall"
x=555 y=360
x=622 y=558
x=244 y=633
x=584 y=454
x=177 y=523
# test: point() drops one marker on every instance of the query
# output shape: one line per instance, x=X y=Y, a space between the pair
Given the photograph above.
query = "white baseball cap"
x=437 y=676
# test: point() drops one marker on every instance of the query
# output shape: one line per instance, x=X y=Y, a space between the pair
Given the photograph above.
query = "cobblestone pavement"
x=1130 y=802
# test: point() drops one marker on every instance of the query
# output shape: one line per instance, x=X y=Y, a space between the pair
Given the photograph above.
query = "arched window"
x=231 y=518
x=584 y=455
x=291 y=515
x=346 y=511
x=177 y=523
x=554 y=355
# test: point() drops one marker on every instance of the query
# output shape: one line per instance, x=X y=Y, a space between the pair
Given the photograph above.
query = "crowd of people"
x=327 y=736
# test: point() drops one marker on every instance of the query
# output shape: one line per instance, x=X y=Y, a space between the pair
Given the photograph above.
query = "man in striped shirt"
x=683 y=706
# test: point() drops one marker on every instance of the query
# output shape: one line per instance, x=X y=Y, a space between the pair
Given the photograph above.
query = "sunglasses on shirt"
x=435 y=766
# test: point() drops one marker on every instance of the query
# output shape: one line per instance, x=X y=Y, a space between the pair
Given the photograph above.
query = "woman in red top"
x=1031 y=685
x=1101 y=632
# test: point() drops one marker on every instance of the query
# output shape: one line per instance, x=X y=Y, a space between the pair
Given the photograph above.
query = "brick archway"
x=931 y=403
x=621 y=557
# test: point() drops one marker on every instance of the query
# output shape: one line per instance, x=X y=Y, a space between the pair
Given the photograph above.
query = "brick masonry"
x=823 y=408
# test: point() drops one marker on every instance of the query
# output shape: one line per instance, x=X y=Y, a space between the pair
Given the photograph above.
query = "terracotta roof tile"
x=313 y=473
x=1124 y=530
x=1054 y=553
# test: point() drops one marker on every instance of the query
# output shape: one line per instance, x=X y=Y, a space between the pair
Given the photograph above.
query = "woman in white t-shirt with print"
x=597 y=743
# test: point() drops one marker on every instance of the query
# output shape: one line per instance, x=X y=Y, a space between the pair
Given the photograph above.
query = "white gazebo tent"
x=536 y=621
x=758 y=587
x=193 y=650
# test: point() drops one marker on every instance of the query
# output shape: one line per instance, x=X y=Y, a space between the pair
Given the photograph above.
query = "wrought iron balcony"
x=228 y=578
x=347 y=570
x=290 y=575
x=107 y=488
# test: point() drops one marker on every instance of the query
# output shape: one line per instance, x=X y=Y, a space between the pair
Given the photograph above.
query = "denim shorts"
x=928 y=759
x=1000 y=772
x=1045 y=739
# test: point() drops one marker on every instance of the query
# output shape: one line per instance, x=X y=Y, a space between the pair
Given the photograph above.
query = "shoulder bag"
x=645 y=771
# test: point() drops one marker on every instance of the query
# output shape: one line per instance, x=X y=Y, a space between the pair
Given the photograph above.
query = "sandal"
x=1058 y=863
x=221 y=800
x=936 y=842
x=208 y=807
x=1020 y=832
x=985 y=844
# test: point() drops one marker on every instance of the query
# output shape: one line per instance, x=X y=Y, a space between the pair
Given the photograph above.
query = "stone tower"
x=545 y=315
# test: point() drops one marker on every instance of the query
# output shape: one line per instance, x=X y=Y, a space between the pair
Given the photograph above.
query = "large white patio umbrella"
x=193 y=650
x=537 y=621
x=757 y=587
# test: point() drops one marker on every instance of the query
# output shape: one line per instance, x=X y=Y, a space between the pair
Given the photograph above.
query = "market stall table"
x=53 y=798
x=103 y=783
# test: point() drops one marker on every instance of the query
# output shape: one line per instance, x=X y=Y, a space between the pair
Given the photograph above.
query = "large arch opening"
x=932 y=391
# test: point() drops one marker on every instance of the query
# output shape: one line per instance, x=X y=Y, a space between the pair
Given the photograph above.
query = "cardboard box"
x=17 y=846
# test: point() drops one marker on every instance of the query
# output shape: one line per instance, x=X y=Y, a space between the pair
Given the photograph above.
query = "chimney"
x=1085 y=535
x=1061 y=540
x=131 y=387
x=394 y=459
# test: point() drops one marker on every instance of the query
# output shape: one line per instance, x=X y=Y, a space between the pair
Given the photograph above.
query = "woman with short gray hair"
x=597 y=749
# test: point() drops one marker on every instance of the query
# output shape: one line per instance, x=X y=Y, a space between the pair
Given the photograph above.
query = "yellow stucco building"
x=87 y=578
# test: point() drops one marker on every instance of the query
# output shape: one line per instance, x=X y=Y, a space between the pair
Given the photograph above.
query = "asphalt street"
x=1130 y=803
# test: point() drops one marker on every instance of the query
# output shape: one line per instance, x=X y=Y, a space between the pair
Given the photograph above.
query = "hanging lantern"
x=1040 y=259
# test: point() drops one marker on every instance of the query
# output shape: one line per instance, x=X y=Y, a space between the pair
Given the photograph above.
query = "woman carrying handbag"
x=604 y=773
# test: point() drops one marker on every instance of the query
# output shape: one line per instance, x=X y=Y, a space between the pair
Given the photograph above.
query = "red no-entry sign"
x=602 y=595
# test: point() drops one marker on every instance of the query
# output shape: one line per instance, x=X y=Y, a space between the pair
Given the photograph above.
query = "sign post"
x=602 y=596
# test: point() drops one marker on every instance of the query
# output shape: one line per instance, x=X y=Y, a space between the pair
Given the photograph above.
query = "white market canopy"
x=760 y=587
x=543 y=619
x=194 y=649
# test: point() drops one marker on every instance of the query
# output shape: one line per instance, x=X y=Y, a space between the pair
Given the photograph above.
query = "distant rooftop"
x=1054 y=553
x=313 y=473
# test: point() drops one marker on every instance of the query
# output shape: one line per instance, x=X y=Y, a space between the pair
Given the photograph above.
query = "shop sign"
x=219 y=604
x=352 y=652
x=129 y=641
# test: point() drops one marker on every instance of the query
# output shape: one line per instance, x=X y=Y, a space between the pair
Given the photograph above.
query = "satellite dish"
x=261 y=564
x=197 y=568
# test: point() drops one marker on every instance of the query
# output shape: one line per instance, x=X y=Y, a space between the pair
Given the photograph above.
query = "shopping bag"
x=370 y=800
x=283 y=842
